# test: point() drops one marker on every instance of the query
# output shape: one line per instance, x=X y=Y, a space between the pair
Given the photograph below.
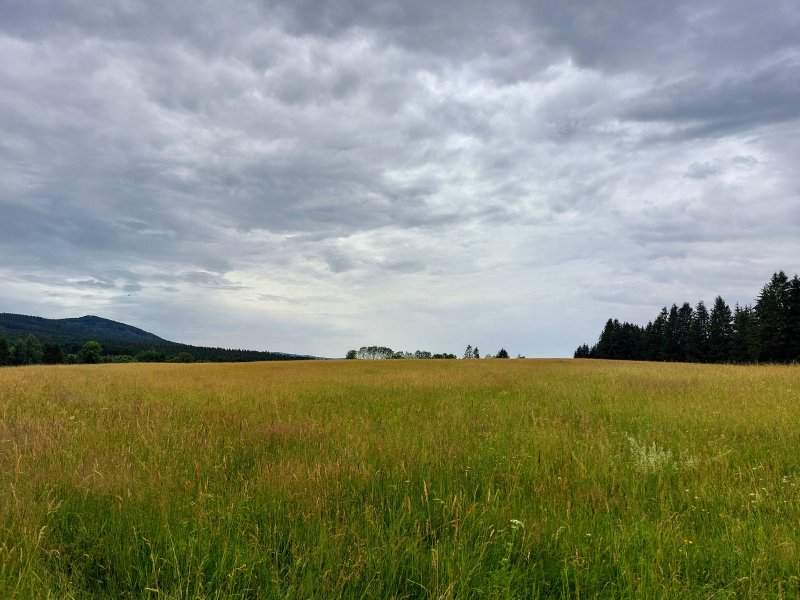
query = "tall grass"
x=406 y=479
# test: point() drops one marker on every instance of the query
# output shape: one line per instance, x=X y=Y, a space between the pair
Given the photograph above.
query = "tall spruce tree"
x=632 y=341
x=656 y=337
x=650 y=342
x=605 y=344
x=672 y=334
x=685 y=315
x=697 y=347
x=583 y=351
x=745 y=336
x=793 y=321
x=772 y=310
x=720 y=332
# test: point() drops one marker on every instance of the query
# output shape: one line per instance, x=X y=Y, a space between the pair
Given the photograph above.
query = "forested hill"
x=64 y=331
x=768 y=331
x=119 y=339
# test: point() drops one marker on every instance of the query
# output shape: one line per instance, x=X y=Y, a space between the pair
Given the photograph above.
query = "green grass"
x=401 y=479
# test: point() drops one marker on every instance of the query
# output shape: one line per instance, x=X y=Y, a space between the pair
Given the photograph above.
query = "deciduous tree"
x=29 y=351
x=91 y=353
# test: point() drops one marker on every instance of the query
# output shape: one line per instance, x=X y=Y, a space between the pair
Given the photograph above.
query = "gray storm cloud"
x=311 y=177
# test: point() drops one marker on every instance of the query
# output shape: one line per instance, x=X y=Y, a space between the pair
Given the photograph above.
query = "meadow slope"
x=400 y=479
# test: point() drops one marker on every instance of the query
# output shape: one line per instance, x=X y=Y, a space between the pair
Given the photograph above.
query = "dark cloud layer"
x=311 y=177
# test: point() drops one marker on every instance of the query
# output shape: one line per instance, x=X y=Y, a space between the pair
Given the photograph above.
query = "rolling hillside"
x=119 y=338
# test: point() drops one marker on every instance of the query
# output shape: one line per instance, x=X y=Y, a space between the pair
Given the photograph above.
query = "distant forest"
x=768 y=331
x=30 y=350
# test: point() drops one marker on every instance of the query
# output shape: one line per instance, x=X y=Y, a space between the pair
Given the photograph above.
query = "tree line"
x=29 y=350
x=384 y=353
x=767 y=331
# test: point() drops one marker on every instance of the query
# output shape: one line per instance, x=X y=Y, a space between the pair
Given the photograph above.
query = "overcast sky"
x=311 y=177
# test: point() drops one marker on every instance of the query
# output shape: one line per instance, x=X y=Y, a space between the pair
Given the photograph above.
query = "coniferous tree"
x=772 y=312
x=583 y=351
x=720 y=332
x=664 y=334
x=793 y=321
x=630 y=344
x=745 y=336
x=685 y=315
x=656 y=337
x=650 y=342
x=468 y=351
x=619 y=341
x=672 y=350
x=697 y=347
x=606 y=344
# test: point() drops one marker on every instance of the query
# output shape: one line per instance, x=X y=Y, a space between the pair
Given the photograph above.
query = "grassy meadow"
x=400 y=479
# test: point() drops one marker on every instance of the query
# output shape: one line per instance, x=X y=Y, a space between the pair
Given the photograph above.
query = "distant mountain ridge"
x=62 y=330
x=119 y=338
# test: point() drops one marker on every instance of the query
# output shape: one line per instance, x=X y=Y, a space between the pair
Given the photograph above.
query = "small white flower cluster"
x=652 y=458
